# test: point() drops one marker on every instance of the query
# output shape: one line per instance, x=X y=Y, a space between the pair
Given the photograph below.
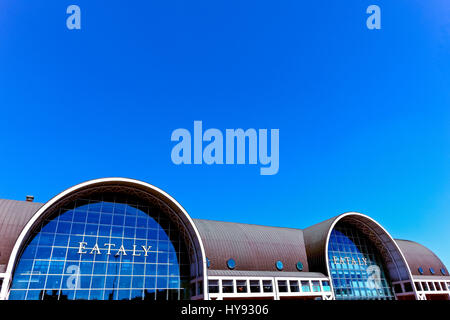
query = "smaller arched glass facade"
x=356 y=267
x=107 y=247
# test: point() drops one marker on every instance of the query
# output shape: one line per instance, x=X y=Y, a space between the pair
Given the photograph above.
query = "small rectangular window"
x=425 y=286
x=326 y=286
x=305 y=286
x=213 y=286
x=282 y=286
x=418 y=286
x=398 y=288
x=241 y=286
x=316 y=286
x=200 y=288
x=408 y=287
x=193 y=289
x=227 y=286
x=254 y=286
x=431 y=286
x=437 y=285
x=267 y=286
x=293 y=285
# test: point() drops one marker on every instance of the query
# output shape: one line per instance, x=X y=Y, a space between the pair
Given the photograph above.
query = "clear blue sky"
x=363 y=115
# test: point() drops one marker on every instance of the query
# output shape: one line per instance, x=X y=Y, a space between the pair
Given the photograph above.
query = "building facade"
x=123 y=239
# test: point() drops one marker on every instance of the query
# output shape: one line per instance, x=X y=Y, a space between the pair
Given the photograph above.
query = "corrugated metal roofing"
x=419 y=256
x=14 y=215
x=271 y=274
x=253 y=247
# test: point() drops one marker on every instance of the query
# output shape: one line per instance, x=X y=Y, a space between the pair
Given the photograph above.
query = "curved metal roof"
x=253 y=247
x=156 y=197
x=419 y=256
x=316 y=243
x=14 y=215
x=316 y=239
x=266 y=274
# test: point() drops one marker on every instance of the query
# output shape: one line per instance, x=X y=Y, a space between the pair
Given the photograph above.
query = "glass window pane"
x=104 y=250
x=356 y=266
x=254 y=286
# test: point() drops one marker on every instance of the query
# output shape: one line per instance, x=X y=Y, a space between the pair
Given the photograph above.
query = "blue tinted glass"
x=173 y=270
x=119 y=208
x=50 y=226
x=80 y=215
x=96 y=295
x=78 y=228
x=46 y=239
x=59 y=253
x=136 y=294
x=17 y=295
x=103 y=250
x=117 y=231
x=44 y=252
x=91 y=229
x=138 y=269
x=299 y=266
x=95 y=207
x=138 y=282
x=107 y=207
x=141 y=233
x=104 y=230
x=33 y=295
x=150 y=269
x=123 y=295
x=129 y=232
x=82 y=295
x=93 y=217
x=130 y=221
x=162 y=282
x=29 y=252
x=125 y=282
x=106 y=219
x=56 y=267
x=118 y=220
x=353 y=266
x=150 y=282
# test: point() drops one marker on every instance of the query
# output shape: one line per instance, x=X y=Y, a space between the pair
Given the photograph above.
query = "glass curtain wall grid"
x=104 y=248
x=356 y=267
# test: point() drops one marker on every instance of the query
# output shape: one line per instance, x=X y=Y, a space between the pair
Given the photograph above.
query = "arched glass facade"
x=107 y=247
x=356 y=268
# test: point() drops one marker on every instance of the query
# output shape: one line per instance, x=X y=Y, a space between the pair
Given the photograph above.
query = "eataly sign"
x=111 y=247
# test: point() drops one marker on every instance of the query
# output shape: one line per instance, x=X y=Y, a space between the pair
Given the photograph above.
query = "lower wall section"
x=273 y=288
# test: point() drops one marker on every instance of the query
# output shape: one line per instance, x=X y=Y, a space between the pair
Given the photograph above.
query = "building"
x=118 y=238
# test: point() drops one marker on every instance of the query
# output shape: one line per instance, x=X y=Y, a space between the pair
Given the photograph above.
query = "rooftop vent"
x=30 y=198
